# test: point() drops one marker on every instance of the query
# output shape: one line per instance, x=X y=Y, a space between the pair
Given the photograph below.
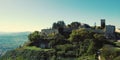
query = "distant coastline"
x=11 y=40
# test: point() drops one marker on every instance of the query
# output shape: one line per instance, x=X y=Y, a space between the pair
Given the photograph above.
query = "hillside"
x=67 y=42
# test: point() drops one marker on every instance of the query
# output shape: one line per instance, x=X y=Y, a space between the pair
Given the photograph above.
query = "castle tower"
x=102 y=23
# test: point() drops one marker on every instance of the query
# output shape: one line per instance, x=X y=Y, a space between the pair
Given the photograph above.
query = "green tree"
x=99 y=37
x=80 y=34
x=75 y=24
x=86 y=26
x=35 y=36
x=58 y=39
x=54 y=26
x=99 y=40
x=59 y=24
x=87 y=47
x=91 y=48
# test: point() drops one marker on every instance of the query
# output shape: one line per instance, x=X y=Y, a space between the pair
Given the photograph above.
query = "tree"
x=91 y=48
x=59 y=24
x=99 y=40
x=80 y=34
x=59 y=37
x=54 y=26
x=35 y=36
x=100 y=37
x=87 y=46
x=86 y=26
x=58 y=40
x=75 y=24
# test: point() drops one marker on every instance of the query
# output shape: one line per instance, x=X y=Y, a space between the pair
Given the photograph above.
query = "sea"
x=10 y=41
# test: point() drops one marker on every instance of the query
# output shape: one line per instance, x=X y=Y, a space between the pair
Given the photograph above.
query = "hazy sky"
x=30 y=15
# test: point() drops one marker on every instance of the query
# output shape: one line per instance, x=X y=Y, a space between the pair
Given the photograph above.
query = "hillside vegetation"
x=79 y=44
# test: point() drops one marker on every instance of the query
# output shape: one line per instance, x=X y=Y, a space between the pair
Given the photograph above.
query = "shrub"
x=117 y=58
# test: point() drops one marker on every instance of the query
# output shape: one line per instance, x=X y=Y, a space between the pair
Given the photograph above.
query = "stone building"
x=110 y=31
x=49 y=31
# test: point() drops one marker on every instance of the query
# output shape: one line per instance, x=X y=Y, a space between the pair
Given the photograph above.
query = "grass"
x=32 y=48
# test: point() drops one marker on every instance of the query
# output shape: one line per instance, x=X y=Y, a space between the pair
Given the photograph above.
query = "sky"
x=31 y=15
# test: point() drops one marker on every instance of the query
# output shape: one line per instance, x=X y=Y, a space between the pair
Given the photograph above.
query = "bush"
x=80 y=35
x=109 y=52
x=117 y=58
x=87 y=47
x=64 y=47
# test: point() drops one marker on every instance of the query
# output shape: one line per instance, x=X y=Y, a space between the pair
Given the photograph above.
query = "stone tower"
x=102 y=23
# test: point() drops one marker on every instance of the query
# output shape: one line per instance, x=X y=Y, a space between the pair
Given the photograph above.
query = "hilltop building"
x=107 y=30
x=49 y=31
x=103 y=23
x=110 y=31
